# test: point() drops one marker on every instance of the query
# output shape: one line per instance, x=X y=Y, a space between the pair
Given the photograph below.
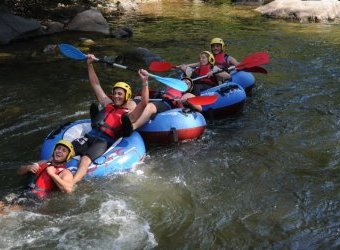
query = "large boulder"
x=302 y=10
x=14 y=27
x=90 y=20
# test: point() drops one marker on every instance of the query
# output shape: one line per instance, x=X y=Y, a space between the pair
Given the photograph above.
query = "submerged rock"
x=124 y=32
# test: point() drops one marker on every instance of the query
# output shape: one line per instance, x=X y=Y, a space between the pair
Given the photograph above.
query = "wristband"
x=36 y=164
x=145 y=84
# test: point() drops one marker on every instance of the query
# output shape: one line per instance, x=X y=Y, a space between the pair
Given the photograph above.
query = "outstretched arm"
x=223 y=75
x=94 y=81
x=232 y=61
x=32 y=168
x=64 y=180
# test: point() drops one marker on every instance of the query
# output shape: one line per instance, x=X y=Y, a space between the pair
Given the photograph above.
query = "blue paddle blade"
x=71 y=52
x=171 y=82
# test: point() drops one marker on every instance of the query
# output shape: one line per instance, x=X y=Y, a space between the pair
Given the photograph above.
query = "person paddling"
x=222 y=60
x=107 y=124
x=171 y=99
x=207 y=70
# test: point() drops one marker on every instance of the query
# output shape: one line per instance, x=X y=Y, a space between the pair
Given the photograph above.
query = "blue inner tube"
x=172 y=126
x=244 y=79
x=121 y=156
x=231 y=99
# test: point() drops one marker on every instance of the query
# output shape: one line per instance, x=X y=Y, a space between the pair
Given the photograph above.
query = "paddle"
x=158 y=66
x=257 y=69
x=253 y=60
x=74 y=53
x=197 y=100
x=250 y=64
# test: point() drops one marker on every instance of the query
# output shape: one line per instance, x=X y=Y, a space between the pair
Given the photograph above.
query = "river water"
x=265 y=179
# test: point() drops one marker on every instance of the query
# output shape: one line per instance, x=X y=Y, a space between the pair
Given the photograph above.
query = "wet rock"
x=50 y=49
x=86 y=41
x=50 y=27
x=145 y=55
x=124 y=32
x=14 y=27
x=90 y=20
x=302 y=10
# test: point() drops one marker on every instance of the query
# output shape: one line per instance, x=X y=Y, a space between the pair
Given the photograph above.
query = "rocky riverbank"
x=81 y=18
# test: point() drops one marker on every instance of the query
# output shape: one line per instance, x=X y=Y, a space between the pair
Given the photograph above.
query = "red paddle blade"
x=160 y=66
x=202 y=100
x=254 y=60
x=256 y=69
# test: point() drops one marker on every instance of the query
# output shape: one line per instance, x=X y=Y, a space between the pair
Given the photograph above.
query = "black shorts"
x=93 y=147
x=162 y=106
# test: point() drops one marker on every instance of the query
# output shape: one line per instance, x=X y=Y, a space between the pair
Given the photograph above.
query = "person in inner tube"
x=107 y=123
x=44 y=177
x=222 y=59
x=207 y=70
x=170 y=99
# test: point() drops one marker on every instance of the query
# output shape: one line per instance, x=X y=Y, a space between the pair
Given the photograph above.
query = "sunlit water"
x=268 y=178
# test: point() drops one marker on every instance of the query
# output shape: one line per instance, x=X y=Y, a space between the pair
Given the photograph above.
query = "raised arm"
x=94 y=81
x=137 y=111
x=232 y=61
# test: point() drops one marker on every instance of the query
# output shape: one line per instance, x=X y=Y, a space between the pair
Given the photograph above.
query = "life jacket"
x=108 y=120
x=171 y=94
x=203 y=70
x=221 y=60
x=43 y=182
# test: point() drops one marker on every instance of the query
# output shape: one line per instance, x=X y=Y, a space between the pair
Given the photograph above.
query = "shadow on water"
x=268 y=178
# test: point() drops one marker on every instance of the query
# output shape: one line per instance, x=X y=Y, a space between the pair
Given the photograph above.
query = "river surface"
x=266 y=179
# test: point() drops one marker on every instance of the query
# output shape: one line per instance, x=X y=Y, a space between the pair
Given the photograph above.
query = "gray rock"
x=124 y=32
x=302 y=10
x=14 y=27
x=146 y=55
x=53 y=27
x=90 y=20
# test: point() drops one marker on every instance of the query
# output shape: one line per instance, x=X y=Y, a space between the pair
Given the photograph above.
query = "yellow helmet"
x=124 y=86
x=211 y=58
x=217 y=40
x=69 y=146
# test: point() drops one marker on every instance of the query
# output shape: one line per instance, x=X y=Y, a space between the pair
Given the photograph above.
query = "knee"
x=85 y=161
x=151 y=108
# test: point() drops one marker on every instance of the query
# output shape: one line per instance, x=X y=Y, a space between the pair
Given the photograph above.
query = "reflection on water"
x=268 y=178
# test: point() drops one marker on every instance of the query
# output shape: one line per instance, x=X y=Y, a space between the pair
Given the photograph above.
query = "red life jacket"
x=203 y=70
x=108 y=120
x=172 y=94
x=221 y=60
x=43 y=182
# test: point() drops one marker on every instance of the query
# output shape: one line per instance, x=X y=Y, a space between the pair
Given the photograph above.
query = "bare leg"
x=149 y=110
x=82 y=168
x=137 y=112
